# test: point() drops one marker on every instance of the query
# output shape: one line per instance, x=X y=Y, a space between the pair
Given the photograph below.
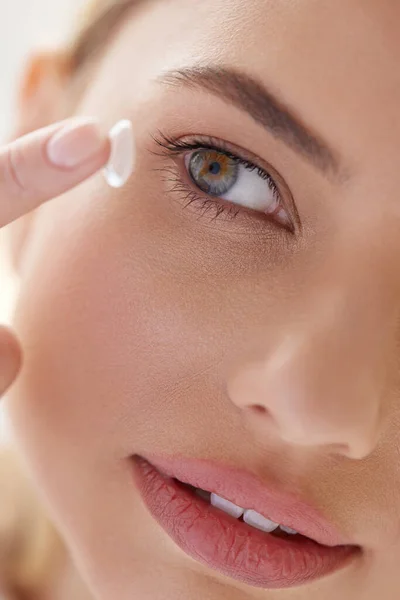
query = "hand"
x=34 y=169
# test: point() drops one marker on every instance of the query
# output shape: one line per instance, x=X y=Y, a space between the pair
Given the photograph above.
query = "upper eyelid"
x=214 y=144
x=204 y=145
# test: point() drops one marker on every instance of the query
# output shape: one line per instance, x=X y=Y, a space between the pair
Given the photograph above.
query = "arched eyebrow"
x=248 y=94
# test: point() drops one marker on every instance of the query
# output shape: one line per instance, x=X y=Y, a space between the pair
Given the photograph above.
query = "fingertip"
x=77 y=142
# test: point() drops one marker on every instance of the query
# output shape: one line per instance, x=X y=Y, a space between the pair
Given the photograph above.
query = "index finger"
x=47 y=163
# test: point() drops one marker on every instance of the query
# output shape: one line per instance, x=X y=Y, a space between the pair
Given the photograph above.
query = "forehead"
x=347 y=51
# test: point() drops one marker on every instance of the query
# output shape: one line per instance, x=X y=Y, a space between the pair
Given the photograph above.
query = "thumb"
x=10 y=359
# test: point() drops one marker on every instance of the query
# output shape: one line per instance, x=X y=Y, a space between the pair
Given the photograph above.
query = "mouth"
x=242 y=543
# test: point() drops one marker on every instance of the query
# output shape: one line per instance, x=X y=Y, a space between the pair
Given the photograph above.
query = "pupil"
x=214 y=168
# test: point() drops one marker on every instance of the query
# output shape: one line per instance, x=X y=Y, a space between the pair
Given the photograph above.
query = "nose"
x=318 y=378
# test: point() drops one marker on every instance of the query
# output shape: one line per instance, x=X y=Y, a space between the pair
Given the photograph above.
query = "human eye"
x=222 y=180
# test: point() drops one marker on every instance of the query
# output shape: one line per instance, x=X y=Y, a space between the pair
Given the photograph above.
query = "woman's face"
x=247 y=313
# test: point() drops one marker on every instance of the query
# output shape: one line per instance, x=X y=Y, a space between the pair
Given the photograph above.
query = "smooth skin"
x=151 y=327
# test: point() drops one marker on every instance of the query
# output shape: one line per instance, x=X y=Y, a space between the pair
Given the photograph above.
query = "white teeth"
x=288 y=530
x=226 y=506
x=253 y=518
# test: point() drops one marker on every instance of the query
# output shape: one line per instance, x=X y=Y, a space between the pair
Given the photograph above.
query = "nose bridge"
x=322 y=381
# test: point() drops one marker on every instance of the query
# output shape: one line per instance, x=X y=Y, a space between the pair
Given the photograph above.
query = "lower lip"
x=230 y=546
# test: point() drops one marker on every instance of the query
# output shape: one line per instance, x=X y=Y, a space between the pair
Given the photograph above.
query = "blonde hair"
x=31 y=551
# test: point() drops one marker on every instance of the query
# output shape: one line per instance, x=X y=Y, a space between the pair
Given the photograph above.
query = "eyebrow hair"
x=246 y=93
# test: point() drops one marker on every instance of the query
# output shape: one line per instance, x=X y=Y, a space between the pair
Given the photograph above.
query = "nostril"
x=261 y=417
x=258 y=408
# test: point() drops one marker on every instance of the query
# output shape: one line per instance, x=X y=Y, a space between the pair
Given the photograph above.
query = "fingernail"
x=122 y=159
x=75 y=143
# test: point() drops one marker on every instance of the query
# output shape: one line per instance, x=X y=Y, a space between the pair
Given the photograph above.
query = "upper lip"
x=247 y=490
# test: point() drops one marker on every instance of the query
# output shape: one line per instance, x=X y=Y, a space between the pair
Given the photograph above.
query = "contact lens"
x=123 y=154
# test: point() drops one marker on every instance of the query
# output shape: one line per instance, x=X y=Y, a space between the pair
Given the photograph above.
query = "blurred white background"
x=24 y=24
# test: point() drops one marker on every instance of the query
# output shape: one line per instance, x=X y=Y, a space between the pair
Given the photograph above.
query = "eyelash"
x=176 y=147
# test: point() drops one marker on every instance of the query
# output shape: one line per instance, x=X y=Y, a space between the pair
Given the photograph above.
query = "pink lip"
x=205 y=533
x=244 y=489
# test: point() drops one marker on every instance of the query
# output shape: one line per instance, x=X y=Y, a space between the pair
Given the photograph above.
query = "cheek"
x=120 y=347
x=112 y=329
